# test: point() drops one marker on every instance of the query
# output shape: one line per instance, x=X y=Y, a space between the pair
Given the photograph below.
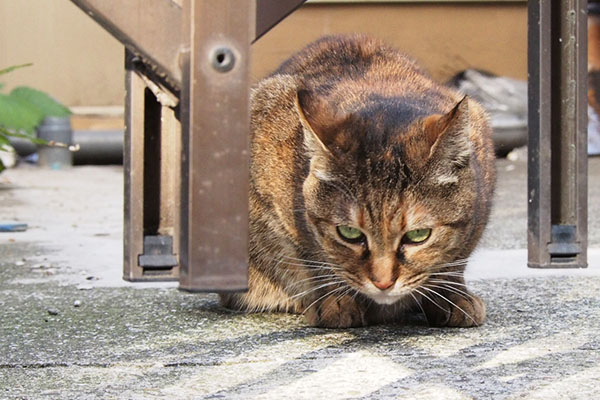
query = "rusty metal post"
x=133 y=164
x=215 y=117
x=186 y=185
x=557 y=176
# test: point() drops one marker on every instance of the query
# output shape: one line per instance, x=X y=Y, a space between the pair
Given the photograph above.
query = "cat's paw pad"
x=455 y=310
x=336 y=312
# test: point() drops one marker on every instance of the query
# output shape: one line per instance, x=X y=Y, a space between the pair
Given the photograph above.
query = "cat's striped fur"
x=351 y=132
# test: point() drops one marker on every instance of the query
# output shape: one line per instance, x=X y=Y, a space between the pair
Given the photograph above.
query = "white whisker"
x=449 y=301
x=448 y=282
x=457 y=274
x=313 y=280
x=348 y=290
x=331 y=292
x=304 y=293
x=459 y=292
x=429 y=298
x=420 y=306
x=310 y=261
x=313 y=265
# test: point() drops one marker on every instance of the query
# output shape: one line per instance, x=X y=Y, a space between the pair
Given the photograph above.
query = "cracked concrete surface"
x=70 y=328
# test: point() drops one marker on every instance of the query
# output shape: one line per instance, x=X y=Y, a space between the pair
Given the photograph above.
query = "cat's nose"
x=384 y=284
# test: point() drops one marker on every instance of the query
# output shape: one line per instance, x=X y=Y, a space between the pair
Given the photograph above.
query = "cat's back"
x=338 y=57
x=356 y=75
x=360 y=74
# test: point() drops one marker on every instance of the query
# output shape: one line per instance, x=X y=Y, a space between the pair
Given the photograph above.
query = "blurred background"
x=81 y=65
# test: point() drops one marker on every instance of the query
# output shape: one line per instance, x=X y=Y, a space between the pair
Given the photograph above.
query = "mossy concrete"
x=540 y=335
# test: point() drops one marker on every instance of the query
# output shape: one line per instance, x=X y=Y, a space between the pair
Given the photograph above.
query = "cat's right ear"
x=320 y=122
x=447 y=136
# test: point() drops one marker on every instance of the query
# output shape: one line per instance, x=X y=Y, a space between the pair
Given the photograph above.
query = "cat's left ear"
x=448 y=135
x=321 y=123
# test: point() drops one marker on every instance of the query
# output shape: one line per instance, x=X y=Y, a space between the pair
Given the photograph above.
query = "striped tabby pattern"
x=370 y=187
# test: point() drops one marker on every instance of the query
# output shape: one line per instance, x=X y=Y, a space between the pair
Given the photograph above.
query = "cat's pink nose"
x=383 y=285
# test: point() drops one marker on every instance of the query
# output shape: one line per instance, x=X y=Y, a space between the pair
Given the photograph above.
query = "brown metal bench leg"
x=215 y=114
x=152 y=175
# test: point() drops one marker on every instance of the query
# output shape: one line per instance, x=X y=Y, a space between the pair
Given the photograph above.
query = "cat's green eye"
x=350 y=233
x=416 y=236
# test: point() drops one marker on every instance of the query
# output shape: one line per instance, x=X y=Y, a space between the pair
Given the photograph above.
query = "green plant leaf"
x=19 y=115
x=46 y=104
x=35 y=140
x=4 y=131
x=12 y=68
x=4 y=145
x=4 y=142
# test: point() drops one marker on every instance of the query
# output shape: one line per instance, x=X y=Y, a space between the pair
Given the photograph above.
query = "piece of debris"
x=505 y=99
x=593 y=132
x=85 y=287
x=512 y=156
x=77 y=303
x=52 y=311
x=12 y=227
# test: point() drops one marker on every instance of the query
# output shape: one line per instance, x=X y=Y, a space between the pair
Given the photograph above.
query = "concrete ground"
x=70 y=328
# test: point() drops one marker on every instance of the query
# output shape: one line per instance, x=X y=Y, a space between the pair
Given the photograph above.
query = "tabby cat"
x=370 y=186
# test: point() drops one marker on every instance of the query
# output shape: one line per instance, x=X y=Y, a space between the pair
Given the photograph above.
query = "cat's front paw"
x=336 y=312
x=454 y=310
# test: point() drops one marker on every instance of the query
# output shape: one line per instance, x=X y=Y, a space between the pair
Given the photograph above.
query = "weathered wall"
x=80 y=64
x=74 y=59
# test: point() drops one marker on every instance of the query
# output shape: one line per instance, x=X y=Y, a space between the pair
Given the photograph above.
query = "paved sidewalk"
x=71 y=328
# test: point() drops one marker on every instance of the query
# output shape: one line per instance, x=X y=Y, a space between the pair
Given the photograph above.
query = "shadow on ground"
x=540 y=341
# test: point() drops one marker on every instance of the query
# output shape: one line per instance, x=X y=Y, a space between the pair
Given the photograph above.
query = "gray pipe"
x=95 y=147
x=57 y=129
x=98 y=147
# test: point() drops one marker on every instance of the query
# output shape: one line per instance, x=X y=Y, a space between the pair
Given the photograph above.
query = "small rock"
x=77 y=303
x=19 y=263
x=85 y=287
x=512 y=156
x=91 y=278
x=52 y=311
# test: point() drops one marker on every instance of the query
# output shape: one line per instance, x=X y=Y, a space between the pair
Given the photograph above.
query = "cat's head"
x=389 y=205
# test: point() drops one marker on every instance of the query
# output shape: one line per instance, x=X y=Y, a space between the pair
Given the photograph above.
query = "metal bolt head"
x=222 y=59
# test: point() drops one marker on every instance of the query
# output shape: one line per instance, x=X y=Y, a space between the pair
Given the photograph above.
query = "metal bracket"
x=564 y=247
x=151 y=157
x=158 y=254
